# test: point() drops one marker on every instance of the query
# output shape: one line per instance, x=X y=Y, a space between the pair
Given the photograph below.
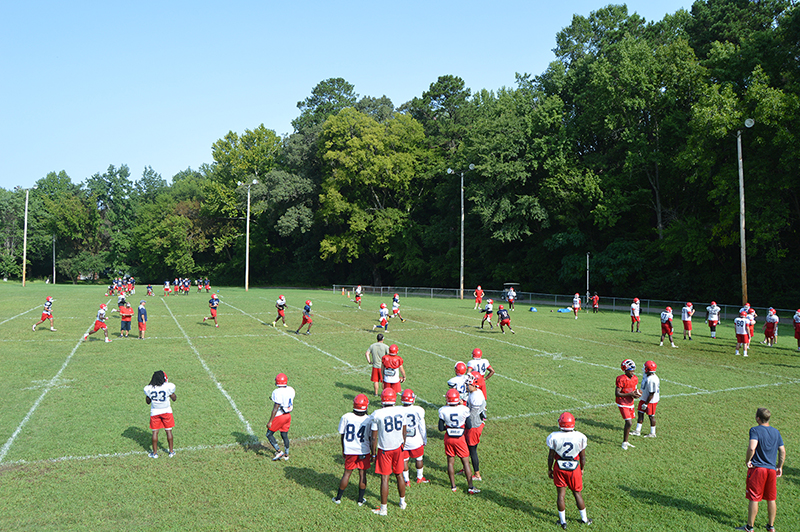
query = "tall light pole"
x=54 y=258
x=748 y=123
x=461 y=274
x=247 y=244
x=25 y=238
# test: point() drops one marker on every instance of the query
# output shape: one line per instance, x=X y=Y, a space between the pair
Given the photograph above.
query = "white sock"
x=583 y=515
x=653 y=431
x=402 y=501
x=384 y=508
x=419 y=472
x=405 y=476
x=638 y=427
x=562 y=516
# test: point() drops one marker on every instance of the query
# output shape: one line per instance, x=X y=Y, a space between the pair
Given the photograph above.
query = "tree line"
x=624 y=148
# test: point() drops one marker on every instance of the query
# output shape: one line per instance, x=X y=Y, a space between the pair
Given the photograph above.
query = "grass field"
x=74 y=423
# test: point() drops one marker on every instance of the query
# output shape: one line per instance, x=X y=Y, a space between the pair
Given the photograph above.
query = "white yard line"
x=18 y=315
x=222 y=390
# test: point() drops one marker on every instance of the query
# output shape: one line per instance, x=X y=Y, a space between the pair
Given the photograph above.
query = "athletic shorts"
x=626 y=411
x=358 y=299
x=384 y=321
x=376 y=375
x=281 y=313
x=357 y=461
x=389 y=462
x=713 y=323
x=478 y=300
x=415 y=453
x=568 y=479
x=281 y=423
x=474 y=435
x=99 y=325
x=213 y=313
x=125 y=326
x=142 y=326
x=395 y=311
x=647 y=408
x=307 y=320
x=162 y=421
x=761 y=484
x=455 y=446
x=635 y=319
x=687 y=325
x=743 y=338
x=666 y=328
x=46 y=316
x=506 y=323
x=393 y=385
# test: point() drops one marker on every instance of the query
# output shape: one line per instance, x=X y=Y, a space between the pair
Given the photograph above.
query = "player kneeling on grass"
x=355 y=430
x=389 y=426
x=625 y=394
x=565 y=463
x=281 y=417
x=416 y=436
x=452 y=419
x=158 y=394
x=650 y=394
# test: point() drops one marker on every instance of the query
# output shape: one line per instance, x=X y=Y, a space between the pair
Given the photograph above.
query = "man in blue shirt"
x=142 y=319
x=765 y=457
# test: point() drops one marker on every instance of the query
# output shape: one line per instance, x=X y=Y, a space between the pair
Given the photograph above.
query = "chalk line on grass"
x=18 y=315
x=211 y=374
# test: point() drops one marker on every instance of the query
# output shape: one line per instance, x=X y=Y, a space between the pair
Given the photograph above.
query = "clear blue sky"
x=87 y=84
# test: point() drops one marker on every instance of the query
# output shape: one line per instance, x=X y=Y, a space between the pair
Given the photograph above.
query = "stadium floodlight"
x=461 y=271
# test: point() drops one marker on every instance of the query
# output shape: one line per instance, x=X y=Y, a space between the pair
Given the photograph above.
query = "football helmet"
x=281 y=297
x=479 y=287
x=472 y=378
x=452 y=397
x=751 y=311
x=500 y=307
x=713 y=303
x=689 y=304
x=650 y=366
x=461 y=368
x=308 y=302
x=477 y=353
x=396 y=296
x=742 y=314
x=668 y=309
x=772 y=310
x=49 y=298
x=408 y=396
x=628 y=364
x=165 y=377
x=393 y=349
x=566 y=421
x=360 y=403
x=635 y=299
x=103 y=306
x=577 y=294
x=383 y=305
x=281 y=379
x=388 y=396
x=490 y=301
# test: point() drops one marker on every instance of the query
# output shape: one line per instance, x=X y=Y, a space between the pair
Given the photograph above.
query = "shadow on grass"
x=600 y=425
x=792 y=474
x=659 y=499
x=516 y=504
x=139 y=435
x=325 y=483
x=250 y=442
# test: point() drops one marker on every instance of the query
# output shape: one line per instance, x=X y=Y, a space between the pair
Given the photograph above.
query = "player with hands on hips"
x=354 y=428
x=566 y=460
x=280 y=420
x=47 y=314
x=416 y=436
x=651 y=392
x=712 y=317
x=487 y=313
x=158 y=394
x=770 y=327
x=625 y=392
x=452 y=420
x=666 y=326
x=478 y=293
x=389 y=432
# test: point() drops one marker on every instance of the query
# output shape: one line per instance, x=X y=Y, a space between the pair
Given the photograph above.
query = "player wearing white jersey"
x=158 y=394
x=666 y=326
x=742 y=325
x=459 y=382
x=389 y=428
x=452 y=419
x=416 y=436
x=476 y=403
x=686 y=317
x=100 y=323
x=712 y=317
x=383 y=316
x=770 y=327
x=354 y=428
x=566 y=460
x=487 y=313
x=482 y=366
x=635 y=318
x=651 y=393
x=47 y=314
x=576 y=304
x=280 y=420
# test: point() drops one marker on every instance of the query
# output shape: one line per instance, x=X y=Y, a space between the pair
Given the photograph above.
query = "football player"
x=566 y=459
x=504 y=319
x=384 y=319
x=476 y=403
x=651 y=392
x=595 y=303
x=482 y=366
x=358 y=296
x=478 y=297
x=796 y=321
x=452 y=419
x=306 y=318
x=576 y=304
x=100 y=323
x=280 y=420
x=770 y=327
x=459 y=382
x=280 y=304
x=625 y=392
x=635 y=318
x=666 y=326
x=213 y=303
x=47 y=314
x=392 y=369
x=396 y=307
x=686 y=317
x=158 y=394
x=416 y=436
x=389 y=428
x=742 y=326
x=487 y=313
x=712 y=317
x=354 y=428
x=511 y=296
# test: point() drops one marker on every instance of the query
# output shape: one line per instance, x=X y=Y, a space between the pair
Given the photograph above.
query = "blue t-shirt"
x=142 y=315
x=769 y=440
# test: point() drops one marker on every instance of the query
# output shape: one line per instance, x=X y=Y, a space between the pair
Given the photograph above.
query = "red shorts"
x=510 y=300
x=99 y=325
x=713 y=323
x=752 y=329
x=358 y=299
x=142 y=326
x=46 y=316
x=769 y=330
x=687 y=325
x=666 y=328
x=281 y=312
x=208 y=287
x=455 y=446
x=415 y=453
x=307 y=320
x=506 y=323
x=281 y=423
x=647 y=408
x=376 y=375
x=395 y=311
x=384 y=321
x=743 y=338
x=393 y=385
x=162 y=421
x=357 y=461
x=389 y=462
x=576 y=308
x=213 y=313
x=568 y=479
x=478 y=300
x=635 y=319
x=474 y=435
x=626 y=411
x=761 y=484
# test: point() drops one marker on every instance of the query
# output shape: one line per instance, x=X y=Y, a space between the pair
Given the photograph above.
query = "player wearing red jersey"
x=478 y=293
x=625 y=393
x=392 y=369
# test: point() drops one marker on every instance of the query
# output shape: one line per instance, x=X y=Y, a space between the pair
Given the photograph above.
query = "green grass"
x=79 y=460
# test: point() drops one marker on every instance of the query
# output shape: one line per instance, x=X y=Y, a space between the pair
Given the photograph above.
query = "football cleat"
x=651 y=435
x=378 y=511
x=336 y=501
x=635 y=433
x=277 y=456
x=152 y=455
x=473 y=491
x=423 y=480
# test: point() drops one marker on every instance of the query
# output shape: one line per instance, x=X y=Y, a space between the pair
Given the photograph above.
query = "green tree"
x=327 y=98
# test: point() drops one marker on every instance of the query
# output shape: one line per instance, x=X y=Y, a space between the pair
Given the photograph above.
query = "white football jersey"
x=384 y=313
x=567 y=444
x=416 y=432
x=489 y=308
x=741 y=324
x=389 y=422
x=479 y=364
x=454 y=416
x=651 y=388
x=576 y=302
x=686 y=313
x=772 y=318
x=666 y=316
x=634 y=309
x=395 y=305
x=358 y=290
x=476 y=402
x=101 y=315
x=512 y=295
x=283 y=396
x=713 y=312
x=159 y=398
x=356 y=432
x=459 y=382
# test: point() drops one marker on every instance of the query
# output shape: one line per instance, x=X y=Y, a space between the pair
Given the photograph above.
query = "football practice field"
x=74 y=433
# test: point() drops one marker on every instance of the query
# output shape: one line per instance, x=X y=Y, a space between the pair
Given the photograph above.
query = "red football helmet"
x=479 y=287
x=650 y=366
x=393 y=349
x=388 y=396
x=477 y=353
x=500 y=307
x=461 y=368
x=635 y=299
x=165 y=377
x=452 y=397
x=408 y=396
x=490 y=301
x=713 y=303
x=742 y=314
x=689 y=304
x=360 y=403
x=628 y=364
x=281 y=379
x=49 y=298
x=473 y=378
x=281 y=297
x=103 y=306
x=383 y=305
x=308 y=302
x=396 y=296
x=668 y=309
x=577 y=294
x=566 y=421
